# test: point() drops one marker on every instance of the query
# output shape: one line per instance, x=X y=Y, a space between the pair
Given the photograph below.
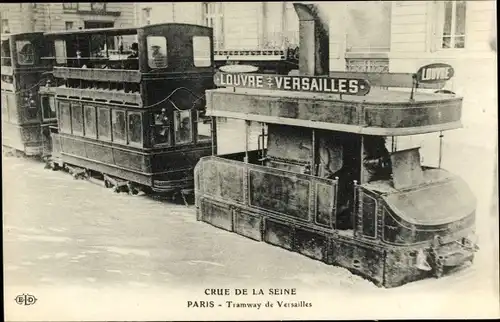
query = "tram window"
x=25 y=52
x=5 y=109
x=203 y=130
x=201 y=51
x=90 y=122
x=60 y=50
x=393 y=231
x=103 y=127
x=118 y=123
x=182 y=127
x=64 y=117
x=49 y=107
x=157 y=51
x=98 y=45
x=77 y=119
x=161 y=134
x=369 y=223
x=134 y=127
x=6 y=53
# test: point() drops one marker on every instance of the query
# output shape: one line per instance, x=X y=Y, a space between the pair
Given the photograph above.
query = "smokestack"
x=313 y=40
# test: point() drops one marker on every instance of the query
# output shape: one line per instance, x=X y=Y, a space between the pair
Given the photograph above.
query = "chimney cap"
x=304 y=11
x=311 y=12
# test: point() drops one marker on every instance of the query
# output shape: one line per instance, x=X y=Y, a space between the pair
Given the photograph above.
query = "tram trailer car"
x=136 y=121
x=23 y=70
x=326 y=186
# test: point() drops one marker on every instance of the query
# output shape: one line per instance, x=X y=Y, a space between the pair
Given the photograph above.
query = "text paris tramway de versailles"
x=279 y=303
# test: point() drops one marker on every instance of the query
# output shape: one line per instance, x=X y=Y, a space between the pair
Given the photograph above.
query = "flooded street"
x=88 y=253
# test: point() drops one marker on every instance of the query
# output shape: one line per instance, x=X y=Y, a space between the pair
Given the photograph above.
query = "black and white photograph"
x=284 y=160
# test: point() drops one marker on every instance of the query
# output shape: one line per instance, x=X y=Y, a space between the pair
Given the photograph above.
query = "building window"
x=452 y=16
x=213 y=17
x=98 y=7
x=70 y=5
x=146 y=16
x=69 y=25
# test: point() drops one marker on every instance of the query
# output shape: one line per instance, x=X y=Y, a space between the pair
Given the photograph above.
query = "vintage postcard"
x=249 y=160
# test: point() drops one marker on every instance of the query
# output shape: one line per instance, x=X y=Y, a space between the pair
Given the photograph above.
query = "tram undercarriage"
x=120 y=173
x=297 y=212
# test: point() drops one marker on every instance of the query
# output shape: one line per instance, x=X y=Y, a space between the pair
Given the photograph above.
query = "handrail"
x=99 y=95
x=96 y=74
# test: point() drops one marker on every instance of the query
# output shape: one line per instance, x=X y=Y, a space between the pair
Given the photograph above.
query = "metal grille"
x=367 y=65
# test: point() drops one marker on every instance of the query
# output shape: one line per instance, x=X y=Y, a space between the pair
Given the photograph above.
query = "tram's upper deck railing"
x=373 y=111
x=102 y=75
x=251 y=55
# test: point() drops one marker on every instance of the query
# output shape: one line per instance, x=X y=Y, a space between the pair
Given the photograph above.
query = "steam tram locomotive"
x=135 y=120
x=326 y=186
x=22 y=72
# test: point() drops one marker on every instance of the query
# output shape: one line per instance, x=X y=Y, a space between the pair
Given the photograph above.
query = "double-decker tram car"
x=135 y=120
x=23 y=71
x=327 y=183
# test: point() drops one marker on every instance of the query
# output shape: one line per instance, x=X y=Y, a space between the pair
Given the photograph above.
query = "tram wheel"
x=107 y=184
x=438 y=272
x=132 y=190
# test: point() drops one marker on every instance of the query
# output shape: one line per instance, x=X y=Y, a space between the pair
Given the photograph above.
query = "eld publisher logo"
x=26 y=299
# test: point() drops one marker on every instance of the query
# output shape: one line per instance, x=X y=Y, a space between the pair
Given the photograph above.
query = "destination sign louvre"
x=313 y=84
x=435 y=73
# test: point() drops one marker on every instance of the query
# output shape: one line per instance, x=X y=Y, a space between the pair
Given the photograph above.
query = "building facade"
x=357 y=29
x=237 y=25
x=457 y=33
x=28 y=17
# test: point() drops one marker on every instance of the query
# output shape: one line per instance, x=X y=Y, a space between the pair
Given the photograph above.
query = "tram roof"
x=380 y=112
x=18 y=34
x=116 y=31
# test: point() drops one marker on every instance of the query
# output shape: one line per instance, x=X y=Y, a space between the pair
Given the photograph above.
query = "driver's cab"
x=176 y=63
